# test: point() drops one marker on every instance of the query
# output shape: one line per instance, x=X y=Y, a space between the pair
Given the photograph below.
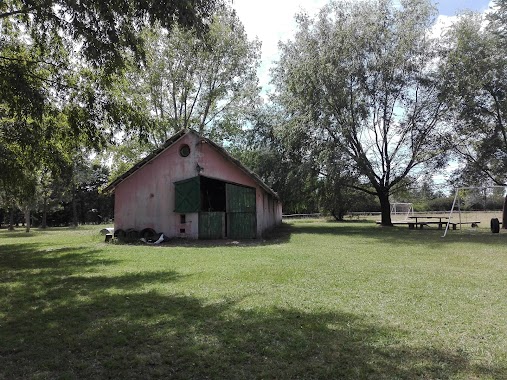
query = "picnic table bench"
x=475 y=222
x=420 y=221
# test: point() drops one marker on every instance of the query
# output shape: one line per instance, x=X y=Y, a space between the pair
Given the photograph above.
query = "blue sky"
x=451 y=7
x=273 y=20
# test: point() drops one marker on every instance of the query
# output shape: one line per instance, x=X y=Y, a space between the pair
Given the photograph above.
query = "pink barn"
x=191 y=187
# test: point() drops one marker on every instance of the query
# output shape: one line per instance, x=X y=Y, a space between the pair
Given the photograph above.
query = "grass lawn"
x=318 y=300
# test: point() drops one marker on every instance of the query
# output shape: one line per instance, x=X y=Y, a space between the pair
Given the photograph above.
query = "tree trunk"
x=385 y=208
x=74 y=209
x=27 y=219
x=338 y=216
x=44 y=213
x=11 y=219
x=504 y=214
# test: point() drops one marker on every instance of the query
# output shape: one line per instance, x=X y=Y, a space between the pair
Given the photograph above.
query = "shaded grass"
x=316 y=300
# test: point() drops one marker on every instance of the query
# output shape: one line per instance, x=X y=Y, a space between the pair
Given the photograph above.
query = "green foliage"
x=58 y=59
x=475 y=87
x=498 y=21
x=205 y=82
x=424 y=194
x=358 y=79
x=103 y=29
x=37 y=133
x=308 y=177
x=280 y=164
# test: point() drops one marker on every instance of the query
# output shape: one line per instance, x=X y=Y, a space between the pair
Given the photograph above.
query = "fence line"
x=301 y=216
x=376 y=213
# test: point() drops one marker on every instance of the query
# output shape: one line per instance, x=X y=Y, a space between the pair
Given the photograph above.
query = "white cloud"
x=441 y=25
x=273 y=21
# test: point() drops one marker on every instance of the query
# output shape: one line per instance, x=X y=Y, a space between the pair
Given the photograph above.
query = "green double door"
x=241 y=212
x=235 y=219
x=237 y=222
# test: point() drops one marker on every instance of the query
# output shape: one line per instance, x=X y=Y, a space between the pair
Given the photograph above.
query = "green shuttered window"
x=188 y=195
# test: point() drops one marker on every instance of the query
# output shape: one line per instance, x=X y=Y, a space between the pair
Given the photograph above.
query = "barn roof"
x=169 y=142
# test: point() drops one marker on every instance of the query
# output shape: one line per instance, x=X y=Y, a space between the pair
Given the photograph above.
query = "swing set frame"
x=458 y=198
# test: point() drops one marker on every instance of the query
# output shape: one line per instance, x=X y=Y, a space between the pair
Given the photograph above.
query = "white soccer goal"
x=472 y=197
x=401 y=211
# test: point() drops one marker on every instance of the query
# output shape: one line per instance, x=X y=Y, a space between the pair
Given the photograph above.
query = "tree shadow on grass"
x=21 y=233
x=59 y=323
x=61 y=261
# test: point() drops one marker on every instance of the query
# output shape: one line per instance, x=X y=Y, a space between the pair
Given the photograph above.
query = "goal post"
x=403 y=210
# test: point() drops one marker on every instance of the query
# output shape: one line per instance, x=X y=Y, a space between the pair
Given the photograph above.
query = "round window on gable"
x=184 y=150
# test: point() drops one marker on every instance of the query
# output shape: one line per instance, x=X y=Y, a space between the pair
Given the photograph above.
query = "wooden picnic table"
x=421 y=221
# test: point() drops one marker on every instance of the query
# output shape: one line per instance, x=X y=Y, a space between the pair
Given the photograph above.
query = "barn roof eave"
x=171 y=141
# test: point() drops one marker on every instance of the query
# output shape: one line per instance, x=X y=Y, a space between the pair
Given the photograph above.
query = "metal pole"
x=459 y=208
x=459 y=211
x=450 y=213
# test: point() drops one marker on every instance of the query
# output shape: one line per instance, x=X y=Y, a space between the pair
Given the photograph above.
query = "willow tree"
x=361 y=75
x=103 y=29
x=473 y=69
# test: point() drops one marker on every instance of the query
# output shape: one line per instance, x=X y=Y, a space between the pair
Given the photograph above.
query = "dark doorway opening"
x=225 y=209
x=212 y=215
x=212 y=195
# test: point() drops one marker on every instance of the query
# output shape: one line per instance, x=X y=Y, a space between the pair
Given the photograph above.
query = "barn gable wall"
x=146 y=198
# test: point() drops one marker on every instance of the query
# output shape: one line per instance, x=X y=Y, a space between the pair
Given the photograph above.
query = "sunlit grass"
x=316 y=300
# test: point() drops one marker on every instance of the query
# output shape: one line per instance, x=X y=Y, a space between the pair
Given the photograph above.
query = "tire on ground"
x=132 y=234
x=495 y=225
x=120 y=234
x=148 y=234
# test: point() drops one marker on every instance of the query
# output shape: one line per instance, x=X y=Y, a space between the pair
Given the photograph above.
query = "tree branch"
x=17 y=12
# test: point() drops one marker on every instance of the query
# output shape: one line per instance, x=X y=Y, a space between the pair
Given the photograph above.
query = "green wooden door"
x=241 y=225
x=240 y=198
x=211 y=225
x=241 y=212
x=187 y=196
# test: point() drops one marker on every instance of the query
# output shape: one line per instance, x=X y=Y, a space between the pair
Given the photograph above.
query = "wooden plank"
x=211 y=225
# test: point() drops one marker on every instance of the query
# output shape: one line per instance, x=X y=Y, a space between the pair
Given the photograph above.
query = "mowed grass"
x=317 y=300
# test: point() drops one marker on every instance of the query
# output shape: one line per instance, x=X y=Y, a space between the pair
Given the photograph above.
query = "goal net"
x=401 y=211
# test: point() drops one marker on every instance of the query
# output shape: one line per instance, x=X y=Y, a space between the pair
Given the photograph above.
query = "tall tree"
x=474 y=68
x=281 y=164
x=308 y=178
x=206 y=82
x=43 y=45
x=498 y=20
x=29 y=123
x=361 y=76
x=102 y=28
